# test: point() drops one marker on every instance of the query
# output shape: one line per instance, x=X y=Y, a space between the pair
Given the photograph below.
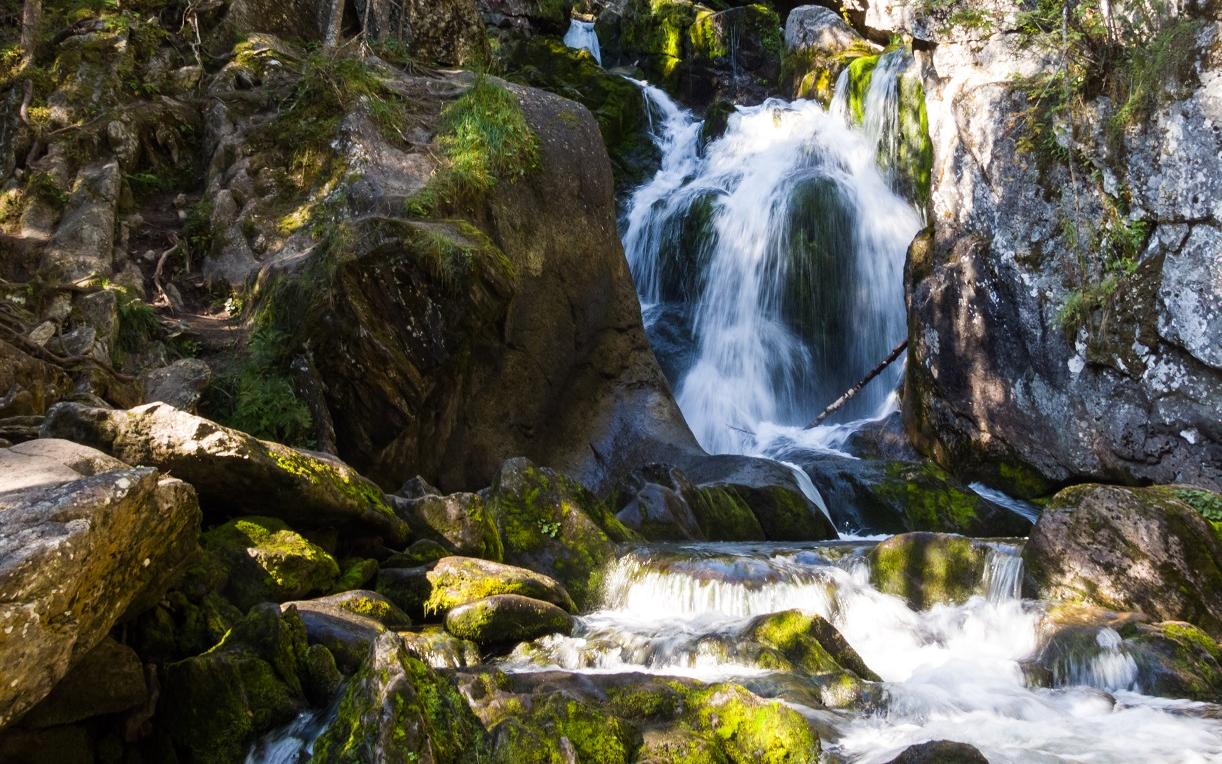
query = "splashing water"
x=784 y=245
x=581 y=36
x=949 y=672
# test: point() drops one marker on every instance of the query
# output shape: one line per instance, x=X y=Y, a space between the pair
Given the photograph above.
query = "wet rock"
x=231 y=469
x=940 y=752
x=553 y=525
x=506 y=619
x=808 y=641
x=358 y=602
x=179 y=385
x=77 y=554
x=268 y=561
x=769 y=489
x=458 y=580
x=347 y=624
x=657 y=503
x=927 y=568
x=1177 y=660
x=213 y=706
x=1144 y=549
x=525 y=15
x=396 y=707
x=422 y=552
x=882 y=439
x=357 y=573
x=752 y=729
x=897 y=496
x=459 y=520
x=107 y=680
x=723 y=515
x=818 y=46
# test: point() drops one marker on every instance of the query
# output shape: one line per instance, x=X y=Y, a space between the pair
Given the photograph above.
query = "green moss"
x=269 y=560
x=645 y=703
x=723 y=515
x=458 y=582
x=595 y=735
x=754 y=731
x=357 y=574
x=927 y=568
x=861 y=73
x=914 y=162
x=930 y=501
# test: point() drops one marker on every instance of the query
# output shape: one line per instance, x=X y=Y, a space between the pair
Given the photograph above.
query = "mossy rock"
x=458 y=580
x=357 y=573
x=214 y=705
x=552 y=524
x=422 y=552
x=268 y=561
x=617 y=104
x=1178 y=660
x=592 y=733
x=440 y=649
x=395 y=709
x=940 y=752
x=460 y=521
x=927 y=568
x=408 y=588
x=809 y=642
x=752 y=730
x=724 y=516
x=505 y=619
x=180 y=627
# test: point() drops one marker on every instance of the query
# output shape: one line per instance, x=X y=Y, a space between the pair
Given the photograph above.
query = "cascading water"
x=581 y=36
x=778 y=248
x=949 y=672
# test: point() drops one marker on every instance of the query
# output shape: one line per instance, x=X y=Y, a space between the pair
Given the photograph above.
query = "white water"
x=794 y=289
x=950 y=672
x=581 y=36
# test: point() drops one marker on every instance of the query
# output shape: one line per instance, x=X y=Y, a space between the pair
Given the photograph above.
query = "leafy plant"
x=260 y=398
x=137 y=322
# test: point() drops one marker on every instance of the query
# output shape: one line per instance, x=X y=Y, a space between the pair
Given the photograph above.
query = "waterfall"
x=581 y=36
x=949 y=672
x=779 y=247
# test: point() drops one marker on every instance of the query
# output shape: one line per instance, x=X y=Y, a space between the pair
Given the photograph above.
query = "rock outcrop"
x=1146 y=549
x=79 y=550
x=927 y=568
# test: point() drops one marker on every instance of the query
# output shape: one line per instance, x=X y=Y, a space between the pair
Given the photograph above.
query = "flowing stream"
x=949 y=672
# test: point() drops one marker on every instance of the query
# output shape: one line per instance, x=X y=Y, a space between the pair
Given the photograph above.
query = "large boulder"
x=31 y=385
x=347 y=624
x=818 y=45
x=397 y=707
x=460 y=521
x=79 y=551
x=1146 y=549
x=231 y=469
x=1030 y=367
x=772 y=493
x=808 y=641
x=107 y=680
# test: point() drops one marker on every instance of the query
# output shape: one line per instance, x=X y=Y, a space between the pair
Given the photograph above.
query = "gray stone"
x=181 y=384
x=504 y=619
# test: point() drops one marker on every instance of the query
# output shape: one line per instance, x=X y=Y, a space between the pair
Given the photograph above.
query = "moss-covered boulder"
x=552 y=524
x=505 y=619
x=723 y=515
x=231 y=469
x=808 y=641
x=1146 y=549
x=616 y=103
x=927 y=568
x=656 y=502
x=398 y=709
x=768 y=489
x=269 y=561
x=407 y=588
x=458 y=580
x=460 y=521
x=1177 y=660
x=591 y=733
x=347 y=624
x=940 y=752
x=214 y=705
x=440 y=649
x=885 y=496
x=751 y=730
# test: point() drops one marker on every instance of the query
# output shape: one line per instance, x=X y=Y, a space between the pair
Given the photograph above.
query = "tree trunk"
x=31 y=15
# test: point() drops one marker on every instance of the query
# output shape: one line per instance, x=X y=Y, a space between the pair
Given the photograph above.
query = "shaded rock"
x=458 y=580
x=268 y=561
x=438 y=31
x=394 y=708
x=231 y=469
x=940 y=752
x=108 y=679
x=771 y=491
x=927 y=568
x=656 y=503
x=506 y=619
x=83 y=243
x=29 y=385
x=1177 y=660
x=723 y=515
x=897 y=497
x=71 y=744
x=422 y=552
x=181 y=384
x=213 y=706
x=882 y=439
x=356 y=575
x=553 y=525
x=53 y=454
x=347 y=624
x=440 y=649
x=1122 y=548
x=459 y=520
x=358 y=602
x=407 y=588
x=76 y=555
x=809 y=641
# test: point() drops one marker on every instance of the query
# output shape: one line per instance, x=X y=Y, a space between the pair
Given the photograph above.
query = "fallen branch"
x=839 y=402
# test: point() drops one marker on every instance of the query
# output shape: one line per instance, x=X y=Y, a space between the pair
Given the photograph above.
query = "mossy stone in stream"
x=927 y=568
x=723 y=515
x=505 y=619
x=458 y=580
x=592 y=733
x=356 y=574
x=808 y=641
x=1178 y=660
x=553 y=525
x=396 y=707
x=914 y=160
x=752 y=730
x=268 y=561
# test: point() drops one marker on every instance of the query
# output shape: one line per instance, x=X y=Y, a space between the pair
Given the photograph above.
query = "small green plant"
x=260 y=398
x=197 y=232
x=43 y=187
x=549 y=529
